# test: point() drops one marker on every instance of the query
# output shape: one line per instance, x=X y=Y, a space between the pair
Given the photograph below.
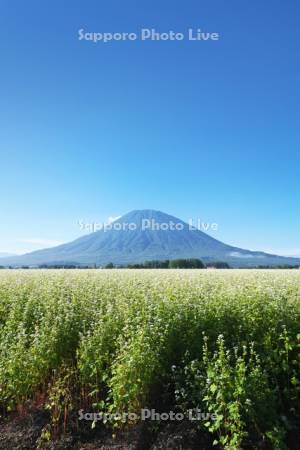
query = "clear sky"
x=195 y=129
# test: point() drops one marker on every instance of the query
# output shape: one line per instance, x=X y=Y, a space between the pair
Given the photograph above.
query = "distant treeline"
x=192 y=263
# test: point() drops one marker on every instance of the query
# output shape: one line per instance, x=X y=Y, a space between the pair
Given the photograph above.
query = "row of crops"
x=226 y=342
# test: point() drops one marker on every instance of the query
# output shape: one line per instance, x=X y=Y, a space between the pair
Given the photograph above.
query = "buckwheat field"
x=226 y=342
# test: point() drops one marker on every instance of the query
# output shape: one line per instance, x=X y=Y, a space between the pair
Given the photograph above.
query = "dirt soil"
x=24 y=434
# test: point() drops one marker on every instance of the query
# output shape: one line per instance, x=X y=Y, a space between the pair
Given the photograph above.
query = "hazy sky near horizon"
x=205 y=130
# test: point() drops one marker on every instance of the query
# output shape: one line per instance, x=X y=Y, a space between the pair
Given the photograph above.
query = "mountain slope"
x=139 y=236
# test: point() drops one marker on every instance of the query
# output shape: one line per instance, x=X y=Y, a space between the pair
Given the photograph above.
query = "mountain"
x=143 y=235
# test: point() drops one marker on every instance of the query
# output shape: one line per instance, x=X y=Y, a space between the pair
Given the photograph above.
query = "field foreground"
x=77 y=343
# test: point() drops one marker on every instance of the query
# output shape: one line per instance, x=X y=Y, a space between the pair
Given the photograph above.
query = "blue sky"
x=195 y=129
